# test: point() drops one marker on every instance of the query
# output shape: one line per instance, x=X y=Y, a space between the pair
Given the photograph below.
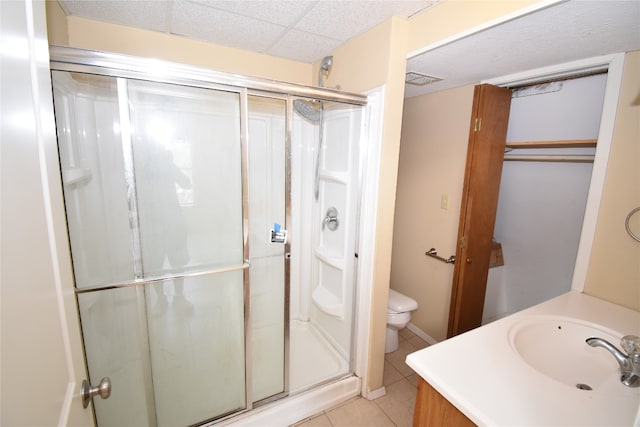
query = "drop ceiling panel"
x=205 y=23
x=302 y=30
x=302 y=46
x=344 y=19
x=565 y=32
x=147 y=15
x=281 y=12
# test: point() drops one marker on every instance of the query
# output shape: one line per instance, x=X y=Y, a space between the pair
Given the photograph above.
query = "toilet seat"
x=399 y=311
x=398 y=319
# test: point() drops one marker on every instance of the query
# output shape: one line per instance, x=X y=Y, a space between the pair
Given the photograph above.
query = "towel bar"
x=434 y=254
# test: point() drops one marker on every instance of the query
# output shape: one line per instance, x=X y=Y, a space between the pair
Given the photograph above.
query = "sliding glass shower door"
x=155 y=183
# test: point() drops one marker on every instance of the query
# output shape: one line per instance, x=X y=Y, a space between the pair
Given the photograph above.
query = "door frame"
x=613 y=64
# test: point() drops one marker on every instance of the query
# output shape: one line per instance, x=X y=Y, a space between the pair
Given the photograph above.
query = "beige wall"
x=57 y=30
x=614 y=266
x=435 y=134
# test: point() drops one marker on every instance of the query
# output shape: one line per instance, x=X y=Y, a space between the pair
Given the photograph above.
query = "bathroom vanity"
x=531 y=368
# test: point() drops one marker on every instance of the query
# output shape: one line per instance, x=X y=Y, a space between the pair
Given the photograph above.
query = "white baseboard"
x=374 y=394
x=422 y=334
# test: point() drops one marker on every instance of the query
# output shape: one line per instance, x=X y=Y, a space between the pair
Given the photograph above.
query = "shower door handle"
x=87 y=392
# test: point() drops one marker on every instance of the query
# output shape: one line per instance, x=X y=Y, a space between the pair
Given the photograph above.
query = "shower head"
x=308 y=109
x=327 y=63
x=325 y=67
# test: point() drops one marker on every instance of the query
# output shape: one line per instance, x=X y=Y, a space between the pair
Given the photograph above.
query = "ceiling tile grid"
x=228 y=29
x=302 y=30
x=147 y=15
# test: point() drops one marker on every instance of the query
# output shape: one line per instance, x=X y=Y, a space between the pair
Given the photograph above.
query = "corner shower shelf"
x=339 y=177
x=74 y=175
x=327 y=302
x=329 y=260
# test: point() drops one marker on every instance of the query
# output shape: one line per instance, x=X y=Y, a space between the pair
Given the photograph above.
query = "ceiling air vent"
x=419 y=79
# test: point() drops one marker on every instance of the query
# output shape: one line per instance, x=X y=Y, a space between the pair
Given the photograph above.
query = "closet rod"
x=563 y=143
x=572 y=158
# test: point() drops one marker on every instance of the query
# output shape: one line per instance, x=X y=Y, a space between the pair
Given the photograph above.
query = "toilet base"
x=391 y=344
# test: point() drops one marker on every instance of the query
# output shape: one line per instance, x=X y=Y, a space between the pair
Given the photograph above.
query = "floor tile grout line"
x=385 y=413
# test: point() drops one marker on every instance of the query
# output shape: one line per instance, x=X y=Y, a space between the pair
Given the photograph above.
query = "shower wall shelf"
x=328 y=294
x=329 y=260
x=338 y=177
x=327 y=302
x=75 y=175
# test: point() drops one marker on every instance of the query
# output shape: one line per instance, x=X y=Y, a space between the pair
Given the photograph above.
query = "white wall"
x=541 y=205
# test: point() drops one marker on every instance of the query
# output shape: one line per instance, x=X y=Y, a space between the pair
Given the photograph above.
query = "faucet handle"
x=631 y=344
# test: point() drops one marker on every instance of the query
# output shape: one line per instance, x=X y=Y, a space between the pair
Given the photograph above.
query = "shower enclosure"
x=208 y=278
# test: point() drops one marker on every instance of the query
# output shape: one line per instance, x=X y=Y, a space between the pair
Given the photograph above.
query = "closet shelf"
x=563 y=143
x=568 y=158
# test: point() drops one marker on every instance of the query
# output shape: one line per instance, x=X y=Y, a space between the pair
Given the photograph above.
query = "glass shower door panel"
x=187 y=162
x=197 y=349
x=114 y=330
x=267 y=201
x=192 y=367
x=157 y=205
x=91 y=158
x=186 y=152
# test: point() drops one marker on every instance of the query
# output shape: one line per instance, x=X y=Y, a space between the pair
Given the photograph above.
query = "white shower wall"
x=322 y=277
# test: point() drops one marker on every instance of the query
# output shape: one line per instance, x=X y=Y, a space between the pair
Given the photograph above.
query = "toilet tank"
x=399 y=303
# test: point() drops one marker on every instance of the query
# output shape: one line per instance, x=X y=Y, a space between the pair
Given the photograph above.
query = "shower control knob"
x=103 y=390
x=331 y=220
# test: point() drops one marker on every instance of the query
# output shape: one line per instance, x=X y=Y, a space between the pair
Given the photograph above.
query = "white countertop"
x=481 y=373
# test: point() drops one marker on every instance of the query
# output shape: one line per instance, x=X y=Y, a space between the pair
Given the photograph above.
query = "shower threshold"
x=319 y=379
x=296 y=408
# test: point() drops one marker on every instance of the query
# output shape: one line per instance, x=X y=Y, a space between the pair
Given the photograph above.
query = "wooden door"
x=485 y=155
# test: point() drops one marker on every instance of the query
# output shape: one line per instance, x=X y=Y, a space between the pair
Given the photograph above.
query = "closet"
x=551 y=139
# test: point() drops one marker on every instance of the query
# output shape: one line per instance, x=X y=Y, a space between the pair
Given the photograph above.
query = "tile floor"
x=395 y=408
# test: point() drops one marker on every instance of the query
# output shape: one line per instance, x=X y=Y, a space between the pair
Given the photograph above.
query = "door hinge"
x=477 y=124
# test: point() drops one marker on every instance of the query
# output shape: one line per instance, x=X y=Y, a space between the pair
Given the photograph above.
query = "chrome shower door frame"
x=124 y=67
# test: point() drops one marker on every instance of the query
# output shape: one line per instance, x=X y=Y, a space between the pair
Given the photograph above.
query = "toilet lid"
x=399 y=303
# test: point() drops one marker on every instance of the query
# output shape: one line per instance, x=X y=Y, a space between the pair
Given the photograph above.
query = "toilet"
x=399 y=311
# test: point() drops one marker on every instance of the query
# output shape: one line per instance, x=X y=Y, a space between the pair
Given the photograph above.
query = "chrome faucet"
x=629 y=363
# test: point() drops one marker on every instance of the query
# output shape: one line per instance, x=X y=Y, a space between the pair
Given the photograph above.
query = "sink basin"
x=555 y=346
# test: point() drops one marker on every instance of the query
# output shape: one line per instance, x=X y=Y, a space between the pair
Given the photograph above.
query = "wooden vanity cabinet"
x=433 y=410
